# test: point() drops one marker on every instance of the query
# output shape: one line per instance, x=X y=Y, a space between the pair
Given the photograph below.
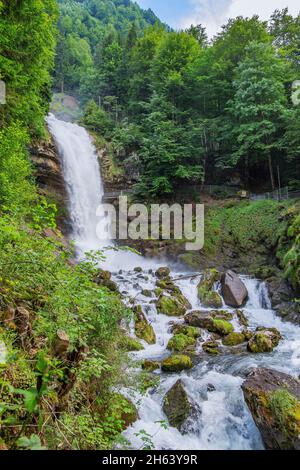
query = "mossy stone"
x=234 y=339
x=171 y=306
x=211 y=347
x=222 y=327
x=180 y=342
x=162 y=272
x=143 y=329
x=190 y=331
x=264 y=340
x=176 y=363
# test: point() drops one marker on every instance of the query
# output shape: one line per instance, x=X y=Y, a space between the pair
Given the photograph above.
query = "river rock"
x=181 y=342
x=234 y=290
x=143 y=329
x=211 y=347
x=234 y=339
x=176 y=363
x=163 y=272
x=190 y=331
x=176 y=405
x=211 y=321
x=175 y=306
x=209 y=298
x=102 y=275
x=274 y=401
x=264 y=340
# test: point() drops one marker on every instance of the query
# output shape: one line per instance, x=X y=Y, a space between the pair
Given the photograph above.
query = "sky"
x=214 y=13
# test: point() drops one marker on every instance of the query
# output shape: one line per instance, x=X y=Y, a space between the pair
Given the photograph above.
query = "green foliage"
x=96 y=119
x=16 y=188
x=27 y=42
x=59 y=296
x=30 y=443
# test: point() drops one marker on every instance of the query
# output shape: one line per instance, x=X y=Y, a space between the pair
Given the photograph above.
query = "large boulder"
x=176 y=405
x=274 y=401
x=234 y=290
x=264 y=340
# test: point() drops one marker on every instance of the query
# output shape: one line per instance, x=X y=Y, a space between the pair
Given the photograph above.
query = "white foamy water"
x=220 y=418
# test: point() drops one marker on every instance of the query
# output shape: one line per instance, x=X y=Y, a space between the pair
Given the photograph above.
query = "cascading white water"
x=220 y=419
x=84 y=185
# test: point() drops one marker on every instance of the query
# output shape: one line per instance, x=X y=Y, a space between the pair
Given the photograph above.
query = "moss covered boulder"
x=274 y=401
x=175 y=306
x=176 y=363
x=176 y=405
x=209 y=298
x=210 y=321
x=181 y=342
x=234 y=339
x=143 y=329
x=264 y=340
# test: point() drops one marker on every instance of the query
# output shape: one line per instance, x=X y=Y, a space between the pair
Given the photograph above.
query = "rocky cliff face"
x=49 y=177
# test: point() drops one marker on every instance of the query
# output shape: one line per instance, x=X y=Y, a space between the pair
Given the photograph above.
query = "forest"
x=87 y=354
x=218 y=110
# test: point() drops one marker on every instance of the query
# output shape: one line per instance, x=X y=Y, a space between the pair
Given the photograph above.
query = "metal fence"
x=281 y=194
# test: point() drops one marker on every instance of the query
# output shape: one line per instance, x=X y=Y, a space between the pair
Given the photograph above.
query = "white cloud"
x=213 y=14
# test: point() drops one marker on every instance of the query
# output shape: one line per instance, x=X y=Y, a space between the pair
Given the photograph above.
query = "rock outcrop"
x=234 y=290
x=274 y=401
x=49 y=176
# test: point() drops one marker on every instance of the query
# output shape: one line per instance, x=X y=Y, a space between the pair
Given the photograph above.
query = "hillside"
x=83 y=28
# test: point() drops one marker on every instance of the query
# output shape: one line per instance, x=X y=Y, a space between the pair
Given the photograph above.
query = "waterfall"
x=220 y=419
x=84 y=184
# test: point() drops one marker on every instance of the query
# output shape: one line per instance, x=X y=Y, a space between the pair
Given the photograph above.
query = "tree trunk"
x=271 y=171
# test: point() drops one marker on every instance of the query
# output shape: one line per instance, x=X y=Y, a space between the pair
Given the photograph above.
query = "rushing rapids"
x=220 y=417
